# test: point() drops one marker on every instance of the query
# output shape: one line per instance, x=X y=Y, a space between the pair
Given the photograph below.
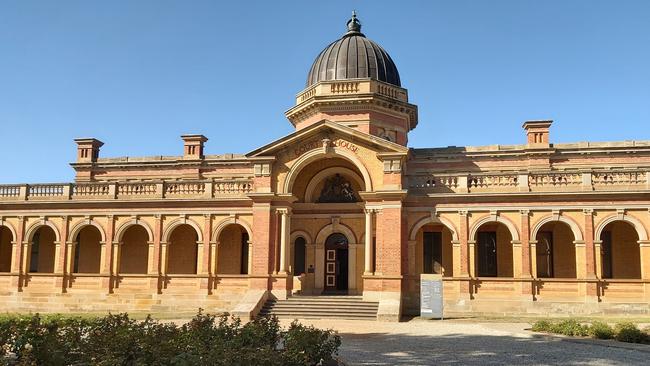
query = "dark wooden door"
x=336 y=263
x=487 y=254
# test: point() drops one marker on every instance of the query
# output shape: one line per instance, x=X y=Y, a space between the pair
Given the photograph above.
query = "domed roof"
x=353 y=56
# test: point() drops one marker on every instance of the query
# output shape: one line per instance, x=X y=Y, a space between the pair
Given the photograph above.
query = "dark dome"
x=353 y=56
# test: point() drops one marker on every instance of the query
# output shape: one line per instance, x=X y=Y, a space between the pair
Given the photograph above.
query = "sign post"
x=431 y=305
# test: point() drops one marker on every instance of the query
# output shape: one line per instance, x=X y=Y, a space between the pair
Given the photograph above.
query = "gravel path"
x=420 y=342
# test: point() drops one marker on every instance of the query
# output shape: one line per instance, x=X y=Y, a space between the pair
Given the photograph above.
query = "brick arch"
x=31 y=230
x=230 y=221
x=575 y=228
x=297 y=233
x=330 y=229
x=638 y=226
x=327 y=152
x=76 y=229
x=182 y=221
x=12 y=230
x=309 y=191
x=119 y=233
x=434 y=220
x=495 y=218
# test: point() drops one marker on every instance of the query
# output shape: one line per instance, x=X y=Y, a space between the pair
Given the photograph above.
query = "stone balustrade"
x=126 y=190
x=531 y=182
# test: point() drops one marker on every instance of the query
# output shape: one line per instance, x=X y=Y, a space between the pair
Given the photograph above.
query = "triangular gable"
x=382 y=145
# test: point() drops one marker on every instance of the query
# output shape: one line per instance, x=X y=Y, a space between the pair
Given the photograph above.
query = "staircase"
x=321 y=307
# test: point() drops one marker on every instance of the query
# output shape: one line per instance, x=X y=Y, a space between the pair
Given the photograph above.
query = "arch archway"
x=182 y=249
x=134 y=250
x=7 y=239
x=554 y=250
x=512 y=228
x=434 y=220
x=620 y=253
x=575 y=228
x=231 y=221
x=432 y=251
x=321 y=153
x=172 y=225
x=636 y=223
x=76 y=229
x=311 y=195
x=320 y=254
x=42 y=248
x=300 y=239
x=121 y=229
x=493 y=252
x=31 y=230
x=232 y=249
x=87 y=249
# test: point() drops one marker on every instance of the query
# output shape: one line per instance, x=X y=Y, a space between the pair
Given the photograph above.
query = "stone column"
x=250 y=258
x=463 y=236
x=204 y=248
x=214 y=256
x=154 y=266
x=590 y=249
x=644 y=254
x=285 y=229
x=369 y=254
x=590 y=258
x=263 y=244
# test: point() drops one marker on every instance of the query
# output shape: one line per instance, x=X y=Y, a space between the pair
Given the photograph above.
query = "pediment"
x=313 y=136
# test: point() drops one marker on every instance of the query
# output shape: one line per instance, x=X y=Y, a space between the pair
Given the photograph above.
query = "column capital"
x=588 y=211
x=463 y=212
x=283 y=210
x=524 y=212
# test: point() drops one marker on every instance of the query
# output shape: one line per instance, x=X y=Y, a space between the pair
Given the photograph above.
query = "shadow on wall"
x=462 y=349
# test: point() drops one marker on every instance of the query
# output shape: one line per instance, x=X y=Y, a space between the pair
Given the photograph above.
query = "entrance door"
x=336 y=263
x=487 y=254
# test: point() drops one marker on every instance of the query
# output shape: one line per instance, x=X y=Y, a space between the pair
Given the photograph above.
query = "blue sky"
x=138 y=74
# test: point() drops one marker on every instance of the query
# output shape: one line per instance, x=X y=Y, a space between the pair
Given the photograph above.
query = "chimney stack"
x=193 y=146
x=88 y=150
x=537 y=133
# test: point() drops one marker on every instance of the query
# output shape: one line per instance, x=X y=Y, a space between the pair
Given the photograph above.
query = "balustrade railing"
x=532 y=182
x=184 y=189
x=47 y=190
x=9 y=191
x=91 y=190
x=230 y=188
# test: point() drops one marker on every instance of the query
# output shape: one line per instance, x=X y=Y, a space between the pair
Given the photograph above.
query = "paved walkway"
x=463 y=342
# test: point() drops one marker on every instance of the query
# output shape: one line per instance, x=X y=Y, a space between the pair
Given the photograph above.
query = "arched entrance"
x=336 y=263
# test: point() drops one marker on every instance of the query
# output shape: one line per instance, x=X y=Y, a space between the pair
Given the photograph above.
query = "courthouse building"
x=341 y=206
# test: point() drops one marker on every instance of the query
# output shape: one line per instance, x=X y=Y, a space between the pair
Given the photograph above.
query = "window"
x=299 y=256
x=487 y=254
x=606 y=254
x=544 y=253
x=432 y=246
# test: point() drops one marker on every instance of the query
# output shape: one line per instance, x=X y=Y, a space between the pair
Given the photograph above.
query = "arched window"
x=299 y=256
x=232 y=250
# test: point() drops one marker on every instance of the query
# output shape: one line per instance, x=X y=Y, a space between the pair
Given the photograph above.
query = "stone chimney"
x=88 y=150
x=193 y=146
x=537 y=133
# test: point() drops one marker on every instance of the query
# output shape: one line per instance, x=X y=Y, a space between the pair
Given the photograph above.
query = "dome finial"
x=354 y=25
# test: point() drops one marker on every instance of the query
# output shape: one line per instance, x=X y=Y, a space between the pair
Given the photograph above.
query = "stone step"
x=324 y=307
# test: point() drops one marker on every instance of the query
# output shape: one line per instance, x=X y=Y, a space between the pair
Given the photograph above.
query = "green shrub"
x=542 y=326
x=119 y=340
x=628 y=332
x=601 y=330
x=569 y=327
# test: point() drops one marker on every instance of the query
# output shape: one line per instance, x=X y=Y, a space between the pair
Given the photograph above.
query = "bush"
x=569 y=327
x=601 y=330
x=542 y=326
x=119 y=340
x=628 y=332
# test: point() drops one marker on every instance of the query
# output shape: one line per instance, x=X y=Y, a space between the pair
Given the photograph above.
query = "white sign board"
x=431 y=305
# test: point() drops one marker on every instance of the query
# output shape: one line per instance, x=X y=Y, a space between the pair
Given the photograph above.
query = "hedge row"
x=623 y=332
x=120 y=340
